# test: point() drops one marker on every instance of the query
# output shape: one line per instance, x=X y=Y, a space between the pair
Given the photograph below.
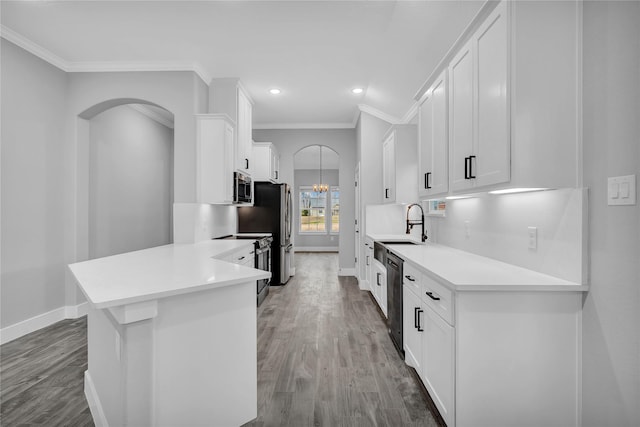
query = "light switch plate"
x=621 y=190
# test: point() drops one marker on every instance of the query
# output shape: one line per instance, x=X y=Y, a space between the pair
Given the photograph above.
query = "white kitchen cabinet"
x=486 y=356
x=214 y=154
x=479 y=107
x=438 y=361
x=379 y=285
x=266 y=162
x=433 y=142
x=412 y=328
x=400 y=165
x=227 y=96
x=243 y=256
x=368 y=262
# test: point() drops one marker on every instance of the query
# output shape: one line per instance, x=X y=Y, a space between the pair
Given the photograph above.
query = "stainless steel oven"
x=242 y=191
x=263 y=262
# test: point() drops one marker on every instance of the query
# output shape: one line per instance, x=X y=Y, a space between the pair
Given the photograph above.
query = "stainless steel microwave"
x=242 y=193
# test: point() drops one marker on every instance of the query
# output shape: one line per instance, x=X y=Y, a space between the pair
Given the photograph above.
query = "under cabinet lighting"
x=274 y=91
x=516 y=190
x=457 y=197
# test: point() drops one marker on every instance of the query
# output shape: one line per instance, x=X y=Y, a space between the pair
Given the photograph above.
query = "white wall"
x=33 y=210
x=343 y=141
x=611 y=318
x=130 y=182
x=307 y=177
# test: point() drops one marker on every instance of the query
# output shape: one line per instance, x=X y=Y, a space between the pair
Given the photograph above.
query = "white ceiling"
x=314 y=51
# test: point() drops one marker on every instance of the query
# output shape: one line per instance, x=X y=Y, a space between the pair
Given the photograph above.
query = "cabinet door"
x=438 y=358
x=214 y=182
x=461 y=117
x=368 y=260
x=243 y=146
x=412 y=328
x=275 y=165
x=492 y=150
x=433 y=140
x=389 y=169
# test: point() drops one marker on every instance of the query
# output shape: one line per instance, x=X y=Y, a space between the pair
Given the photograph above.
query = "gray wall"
x=306 y=177
x=130 y=182
x=611 y=318
x=343 y=141
x=33 y=107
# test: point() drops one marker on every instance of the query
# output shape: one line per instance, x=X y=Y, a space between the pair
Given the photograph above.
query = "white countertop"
x=161 y=272
x=464 y=271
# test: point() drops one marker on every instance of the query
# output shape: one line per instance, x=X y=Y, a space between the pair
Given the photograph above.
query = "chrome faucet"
x=411 y=223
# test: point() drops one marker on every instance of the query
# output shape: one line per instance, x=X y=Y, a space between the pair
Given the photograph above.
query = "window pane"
x=335 y=209
x=313 y=205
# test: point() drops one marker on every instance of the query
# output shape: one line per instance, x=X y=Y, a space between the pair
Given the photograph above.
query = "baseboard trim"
x=316 y=248
x=99 y=419
x=347 y=272
x=40 y=321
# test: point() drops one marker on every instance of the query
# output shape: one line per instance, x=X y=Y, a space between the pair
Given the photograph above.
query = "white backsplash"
x=195 y=222
x=498 y=228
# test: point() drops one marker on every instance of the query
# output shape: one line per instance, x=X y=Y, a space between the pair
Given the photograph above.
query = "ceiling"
x=314 y=51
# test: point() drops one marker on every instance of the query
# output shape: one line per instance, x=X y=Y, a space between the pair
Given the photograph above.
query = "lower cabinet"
x=378 y=285
x=438 y=358
x=494 y=358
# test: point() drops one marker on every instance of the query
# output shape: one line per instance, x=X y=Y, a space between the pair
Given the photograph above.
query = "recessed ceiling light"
x=274 y=91
x=357 y=90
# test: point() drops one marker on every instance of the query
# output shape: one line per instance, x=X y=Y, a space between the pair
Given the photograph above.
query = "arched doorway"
x=128 y=193
x=316 y=199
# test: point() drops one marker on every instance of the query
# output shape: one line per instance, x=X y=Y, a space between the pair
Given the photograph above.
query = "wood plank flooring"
x=324 y=359
x=42 y=377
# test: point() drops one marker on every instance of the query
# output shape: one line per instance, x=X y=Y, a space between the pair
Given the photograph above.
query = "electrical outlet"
x=533 y=237
x=467 y=229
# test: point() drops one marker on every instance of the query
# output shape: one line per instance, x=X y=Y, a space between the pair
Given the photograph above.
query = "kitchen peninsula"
x=171 y=336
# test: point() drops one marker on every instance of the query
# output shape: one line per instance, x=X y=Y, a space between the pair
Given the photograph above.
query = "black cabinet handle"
x=378 y=279
x=415 y=317
x=466 y=168
x=386 y=193
x=426 y=180
x=368 y=260
x=430 y=295
x=247 y=160
x=276 y=174
x=409 y=278
x=471 y=175
x=241 y=258
x=419 y=325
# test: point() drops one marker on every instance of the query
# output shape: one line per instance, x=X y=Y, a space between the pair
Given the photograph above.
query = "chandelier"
x=320 y=187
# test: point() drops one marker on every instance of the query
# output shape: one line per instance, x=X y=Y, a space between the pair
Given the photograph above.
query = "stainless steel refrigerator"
x=271 y=213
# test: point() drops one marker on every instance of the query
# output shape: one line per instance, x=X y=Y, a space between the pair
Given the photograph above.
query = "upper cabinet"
x=266 y=162
x=214 y=154
x=433 y=146
x=399 y=164
x=509 y=115
x=478 y=111
x=227 y=96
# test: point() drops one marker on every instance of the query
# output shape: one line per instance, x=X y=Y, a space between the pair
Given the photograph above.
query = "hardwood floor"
x=324 y=359
x=42 y=375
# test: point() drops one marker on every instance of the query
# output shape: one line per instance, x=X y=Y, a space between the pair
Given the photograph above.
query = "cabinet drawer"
x=244 y=256
x=438 y=297
x=411 y=277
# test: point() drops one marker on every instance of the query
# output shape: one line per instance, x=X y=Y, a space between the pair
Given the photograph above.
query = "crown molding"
x=379 y=114
x=270 y=126
x=100 y=66
x=33 y=48
x=146 y=111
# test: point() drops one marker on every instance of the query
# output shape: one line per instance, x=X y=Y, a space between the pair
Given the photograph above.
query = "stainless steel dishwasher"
x=394 y=299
